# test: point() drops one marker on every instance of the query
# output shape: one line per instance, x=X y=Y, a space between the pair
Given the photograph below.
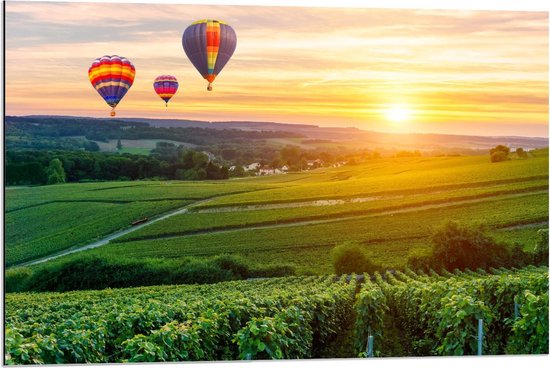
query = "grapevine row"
x=407 y=313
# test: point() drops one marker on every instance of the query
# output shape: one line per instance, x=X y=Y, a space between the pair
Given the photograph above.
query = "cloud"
x=317 y=65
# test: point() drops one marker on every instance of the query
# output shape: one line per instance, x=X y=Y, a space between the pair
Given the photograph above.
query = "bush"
x=234 y=264
x=520 y=152
x=499 y=153
x=500 y=148
x=460 y=246
x=17 y=278
x=97 y=272
x=540 y=255
x=349 y=258
x=498 y=156
x=274 y=270
x=421 y=262
x=198 y=272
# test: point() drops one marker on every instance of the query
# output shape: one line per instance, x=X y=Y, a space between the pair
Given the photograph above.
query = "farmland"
x=44 y=220
x=293 y=317
x=287 y=219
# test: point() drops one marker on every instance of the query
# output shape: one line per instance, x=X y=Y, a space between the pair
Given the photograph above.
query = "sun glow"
x=398 y=114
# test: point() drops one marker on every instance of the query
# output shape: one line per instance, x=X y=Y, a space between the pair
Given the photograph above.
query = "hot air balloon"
x=209 y=45
x=112 y=77
x=165 y=86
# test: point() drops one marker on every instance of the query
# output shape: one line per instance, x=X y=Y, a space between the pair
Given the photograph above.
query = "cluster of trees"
x=502 y=153
x=454 y=246
x=457 y=245
x=50 y=167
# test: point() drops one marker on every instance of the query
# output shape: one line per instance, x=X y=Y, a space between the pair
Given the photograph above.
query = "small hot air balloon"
x=112 y=77
x=209 y=45
x=165 y=86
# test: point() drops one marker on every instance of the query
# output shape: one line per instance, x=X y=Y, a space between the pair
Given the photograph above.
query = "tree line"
x=42 y=132
x=50 y=167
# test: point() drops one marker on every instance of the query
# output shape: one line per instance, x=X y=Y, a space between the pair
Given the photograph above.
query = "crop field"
x=389 y=206
x=201 y=219
x=388 y=239
x=412 y=175
x=136 y=146
x=292 y=318
x=44 y=220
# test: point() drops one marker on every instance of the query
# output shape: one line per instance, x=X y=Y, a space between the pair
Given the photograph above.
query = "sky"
x=392 y=70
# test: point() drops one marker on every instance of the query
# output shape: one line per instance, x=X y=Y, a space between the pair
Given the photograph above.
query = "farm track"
x=107 y=239
x=332 y=218
x=525 y=226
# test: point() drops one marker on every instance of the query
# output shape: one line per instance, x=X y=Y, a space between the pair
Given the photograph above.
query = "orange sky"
x=464 y=72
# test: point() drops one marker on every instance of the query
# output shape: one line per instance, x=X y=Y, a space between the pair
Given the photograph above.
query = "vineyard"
x=400 y=313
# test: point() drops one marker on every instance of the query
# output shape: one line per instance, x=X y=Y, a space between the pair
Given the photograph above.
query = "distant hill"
x=350 y=137
x=358 y=136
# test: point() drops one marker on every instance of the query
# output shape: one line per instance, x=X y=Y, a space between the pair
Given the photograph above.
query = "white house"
x=253 y=166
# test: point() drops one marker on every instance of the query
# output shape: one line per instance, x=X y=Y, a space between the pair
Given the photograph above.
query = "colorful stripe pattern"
x=209 y=44
x=165 y=86
x=112 y=77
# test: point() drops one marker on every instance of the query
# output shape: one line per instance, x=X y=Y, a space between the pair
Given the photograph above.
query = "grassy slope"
x=388 y=238
x=44 y=220
x=418 y=174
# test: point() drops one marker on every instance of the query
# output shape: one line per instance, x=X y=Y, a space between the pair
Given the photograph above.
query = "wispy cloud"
x=316 y=65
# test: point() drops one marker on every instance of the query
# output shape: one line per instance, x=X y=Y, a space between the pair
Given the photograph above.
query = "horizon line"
x=289 y=123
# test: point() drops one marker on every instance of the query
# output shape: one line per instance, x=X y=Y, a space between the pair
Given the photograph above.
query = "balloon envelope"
x=112 y=77
x=165 y=86
x=209 y=45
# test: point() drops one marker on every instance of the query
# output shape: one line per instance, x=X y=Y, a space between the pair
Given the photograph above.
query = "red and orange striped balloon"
x=112 y=77
x=165 y=86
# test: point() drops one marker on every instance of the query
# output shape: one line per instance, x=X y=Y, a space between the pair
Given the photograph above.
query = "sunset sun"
x=398 y=114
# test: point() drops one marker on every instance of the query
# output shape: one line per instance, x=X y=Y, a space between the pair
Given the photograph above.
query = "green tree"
x=499 y=153
x=500 y=148
x=238 y=172
x=349 y=258
x=460 y=246
x=521 y=153
x=55 y=172
x=118 y=145
x=498 y=156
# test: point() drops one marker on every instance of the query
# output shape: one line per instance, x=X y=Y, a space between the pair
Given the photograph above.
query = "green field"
x=43 y=220
x=136 y=146
x=389 y=206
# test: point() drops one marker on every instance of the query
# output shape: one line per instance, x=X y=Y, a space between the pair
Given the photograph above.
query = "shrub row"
x=97 y=272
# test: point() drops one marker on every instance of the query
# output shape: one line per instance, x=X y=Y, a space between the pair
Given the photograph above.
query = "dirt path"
x=272 y=225
x=107 y=239
x=525 y=226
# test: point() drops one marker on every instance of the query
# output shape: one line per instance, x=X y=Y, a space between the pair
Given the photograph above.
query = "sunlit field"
x=389 y=206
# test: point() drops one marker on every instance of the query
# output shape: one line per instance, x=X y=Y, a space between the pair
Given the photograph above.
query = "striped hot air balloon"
x=112 y=77
x=209 y=45
x=165 y=86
